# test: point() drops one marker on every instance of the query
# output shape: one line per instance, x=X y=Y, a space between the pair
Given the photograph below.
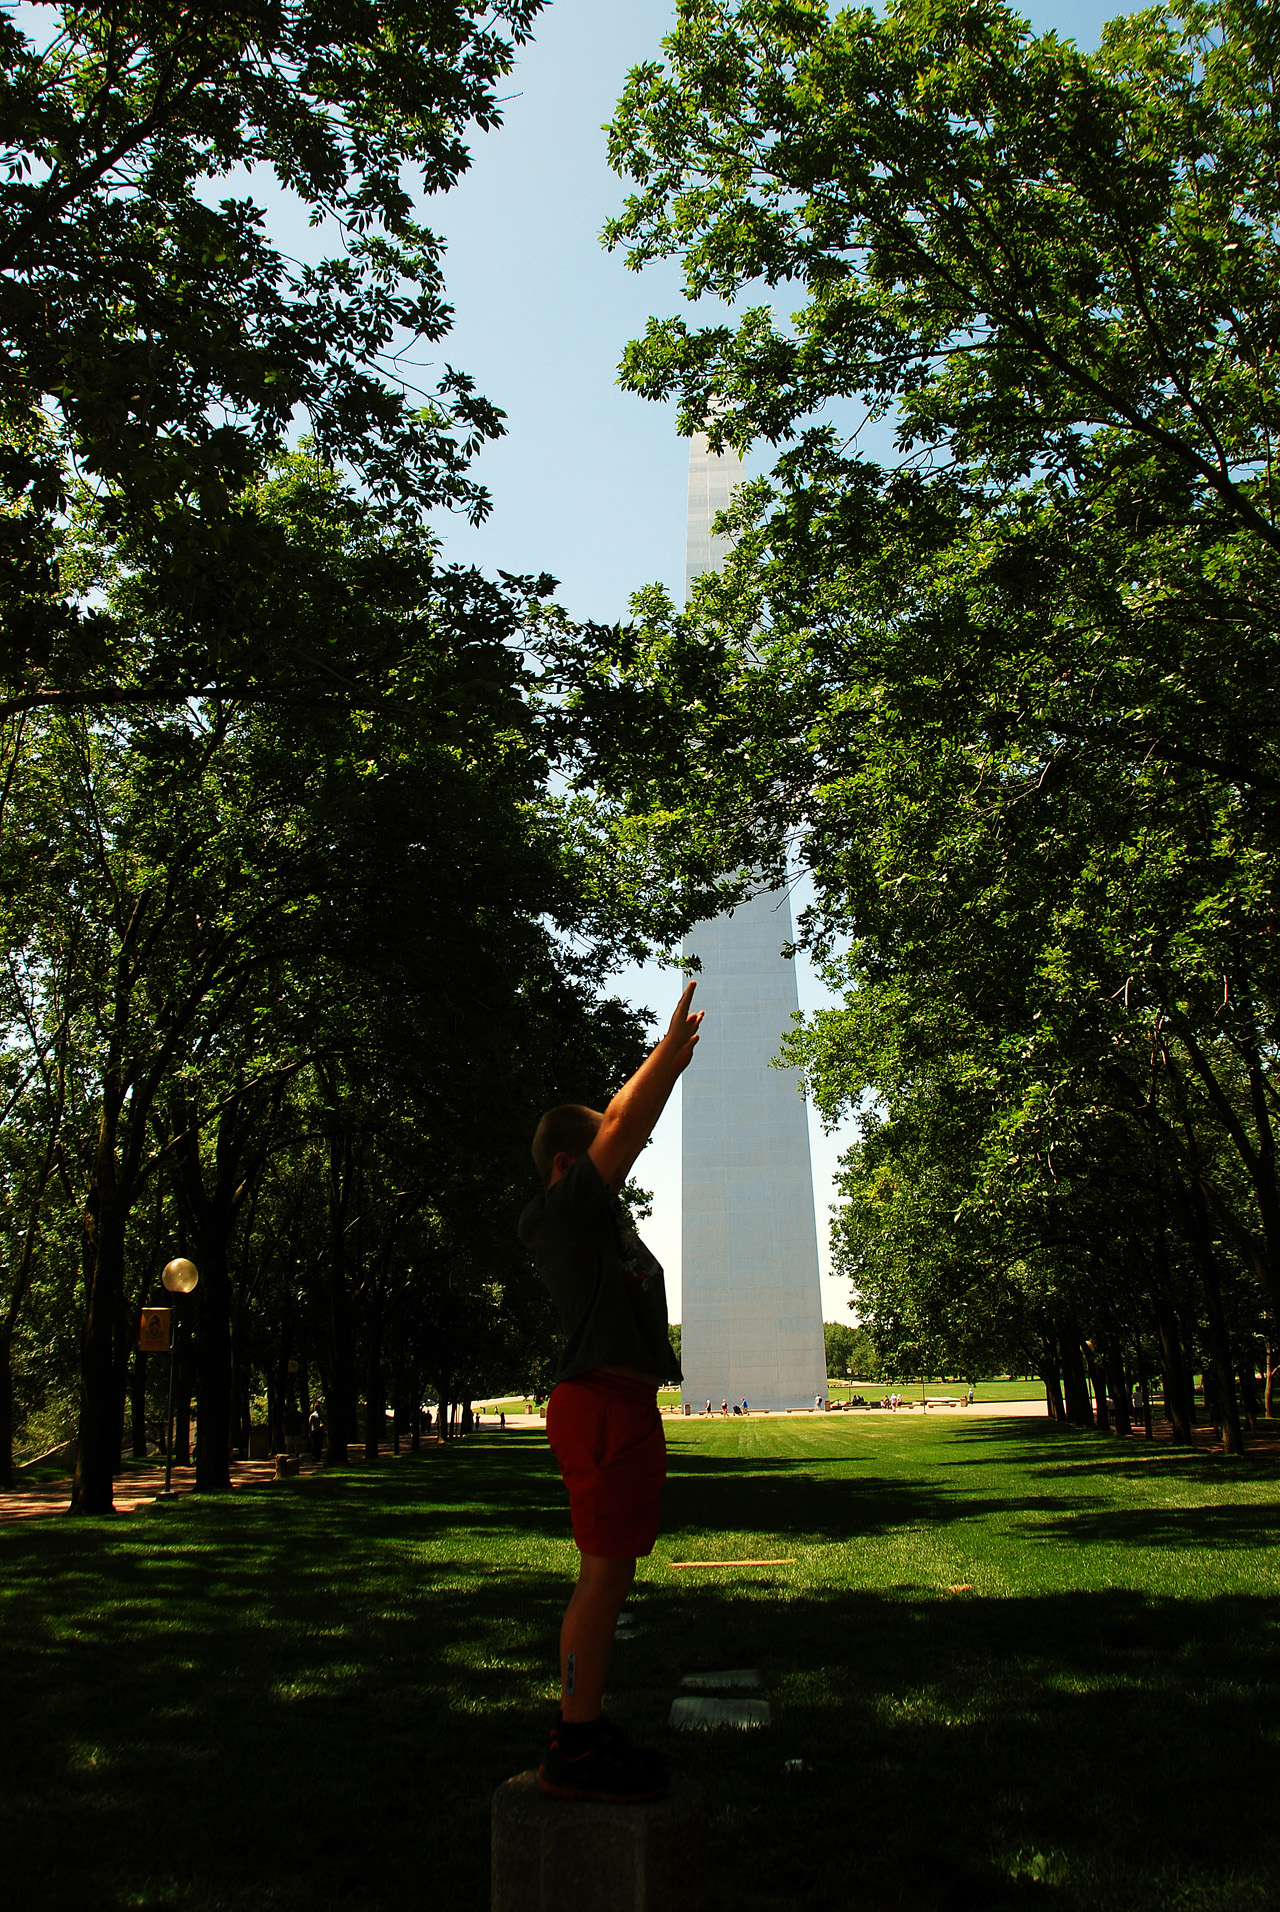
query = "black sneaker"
x=604 y=1766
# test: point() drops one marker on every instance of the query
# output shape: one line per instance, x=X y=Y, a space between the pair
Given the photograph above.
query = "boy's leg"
x=586 y=1634
x=587 y=1757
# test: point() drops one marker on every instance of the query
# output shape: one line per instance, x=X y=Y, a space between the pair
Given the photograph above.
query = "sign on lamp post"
x=179 y=1277
x=153 y=1331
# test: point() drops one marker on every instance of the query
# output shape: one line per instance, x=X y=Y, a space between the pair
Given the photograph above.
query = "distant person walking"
x=315 y=1434
x=968 y=1399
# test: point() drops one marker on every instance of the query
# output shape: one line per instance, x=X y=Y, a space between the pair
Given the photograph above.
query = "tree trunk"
x=102 y=1256
x=338 y=1400
x=213 y=1372
x=1272 y=1370
x=375 y=1392
x=125 y=1348
x=1266 y=1183
x=182 y=1409
x=1117 y=1380
x=138 y=1405
x=1049 y=1364
x=1143 y=1384
x=213 y=1216
x=1223 y=1367
x=6 y=1408
x=396 y=1403
x=1098 y=1383
x=1189 y=1369
x=1177 y=1395
x=1258 y=1156
x=1076 y=1388
x=240 y=1411
x=339 y=1397
x=290 y=1421
x=1179 y=1392
x=1215 y=1320
x=21 y=1280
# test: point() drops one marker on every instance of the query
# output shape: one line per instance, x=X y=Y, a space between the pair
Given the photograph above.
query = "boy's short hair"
x=568 y=1130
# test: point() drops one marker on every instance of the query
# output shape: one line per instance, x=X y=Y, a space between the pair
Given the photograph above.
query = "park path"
x=998 y=1410
x=140 y=1486
x=135 y=1487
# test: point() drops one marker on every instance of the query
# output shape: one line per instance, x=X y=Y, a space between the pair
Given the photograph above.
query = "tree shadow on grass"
x=237 y=1703
x=1176 y=1463
x=786 y=1499
x=1097 y=1451
x=947 y=1742
x=522 y=1494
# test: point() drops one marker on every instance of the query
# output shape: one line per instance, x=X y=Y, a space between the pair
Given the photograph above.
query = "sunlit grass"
x=1020 y=1664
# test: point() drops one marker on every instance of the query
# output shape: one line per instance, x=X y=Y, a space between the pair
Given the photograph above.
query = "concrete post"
x=560 y=1855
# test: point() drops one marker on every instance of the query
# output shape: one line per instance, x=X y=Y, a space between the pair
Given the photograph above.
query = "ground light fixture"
x=180 y=1277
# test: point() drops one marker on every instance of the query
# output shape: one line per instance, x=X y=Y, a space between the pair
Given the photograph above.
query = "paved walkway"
x=997 y=1410
x=137 y=1486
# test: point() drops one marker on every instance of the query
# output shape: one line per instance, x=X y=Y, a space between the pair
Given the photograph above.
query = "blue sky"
x=590 y=482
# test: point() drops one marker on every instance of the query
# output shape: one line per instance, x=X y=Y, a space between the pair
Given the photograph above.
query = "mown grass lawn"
x=1022 y=1665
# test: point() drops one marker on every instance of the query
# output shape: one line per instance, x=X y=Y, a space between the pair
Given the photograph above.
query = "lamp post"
x=179 y=1277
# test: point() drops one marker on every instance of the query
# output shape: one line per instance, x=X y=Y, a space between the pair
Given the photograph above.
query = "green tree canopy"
x=158 y=344
x=1006 y=686
x=205 y=904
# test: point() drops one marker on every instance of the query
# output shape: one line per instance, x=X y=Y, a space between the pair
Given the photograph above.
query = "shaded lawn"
x=303 y=1696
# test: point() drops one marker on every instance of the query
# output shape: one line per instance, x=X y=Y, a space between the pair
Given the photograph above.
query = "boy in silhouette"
x=602 y=1420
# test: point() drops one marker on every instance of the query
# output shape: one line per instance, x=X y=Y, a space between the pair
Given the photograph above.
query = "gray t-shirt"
x=606 y=1285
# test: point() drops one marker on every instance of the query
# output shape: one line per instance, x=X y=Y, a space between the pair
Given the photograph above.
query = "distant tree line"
x=851 y=1353
x=1006 y=687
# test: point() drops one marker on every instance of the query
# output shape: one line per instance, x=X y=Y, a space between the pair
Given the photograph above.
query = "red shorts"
x=606 y=1433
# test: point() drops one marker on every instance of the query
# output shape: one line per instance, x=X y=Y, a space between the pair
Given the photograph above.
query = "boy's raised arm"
x=630 y=1117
